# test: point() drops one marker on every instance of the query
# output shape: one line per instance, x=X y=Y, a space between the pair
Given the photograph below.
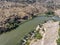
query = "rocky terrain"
x=13 y=12
x=50 y=35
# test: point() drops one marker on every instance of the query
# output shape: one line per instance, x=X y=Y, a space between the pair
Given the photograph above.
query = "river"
x=13 y=37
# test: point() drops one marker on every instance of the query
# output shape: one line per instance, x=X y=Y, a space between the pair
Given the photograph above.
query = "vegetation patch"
x=58 y=41
x=12 y=23
x=59 y=32
x=31 y=35
x=38 y=35
x=49 y=13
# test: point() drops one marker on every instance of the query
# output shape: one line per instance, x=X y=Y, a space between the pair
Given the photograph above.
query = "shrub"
x=38 y=35
x=58 y=41
x=27 y=43
x=59 y=32
x=50 y=13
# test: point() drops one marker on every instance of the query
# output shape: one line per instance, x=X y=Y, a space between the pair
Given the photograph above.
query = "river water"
x=14 y=37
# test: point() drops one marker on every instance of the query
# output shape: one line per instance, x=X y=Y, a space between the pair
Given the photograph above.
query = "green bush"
x=58 y=41
x=38 y=35
x=27 y=43
x=59 y=32
x=49 y=13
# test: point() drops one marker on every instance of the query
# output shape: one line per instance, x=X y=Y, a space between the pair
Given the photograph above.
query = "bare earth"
x=57 y=12
x=50 y=36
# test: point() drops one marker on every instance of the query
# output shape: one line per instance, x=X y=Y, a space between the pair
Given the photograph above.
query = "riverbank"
x=14 y=37
x=50 y=36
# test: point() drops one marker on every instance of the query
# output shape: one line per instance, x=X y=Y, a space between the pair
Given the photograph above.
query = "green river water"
x=13 y=37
